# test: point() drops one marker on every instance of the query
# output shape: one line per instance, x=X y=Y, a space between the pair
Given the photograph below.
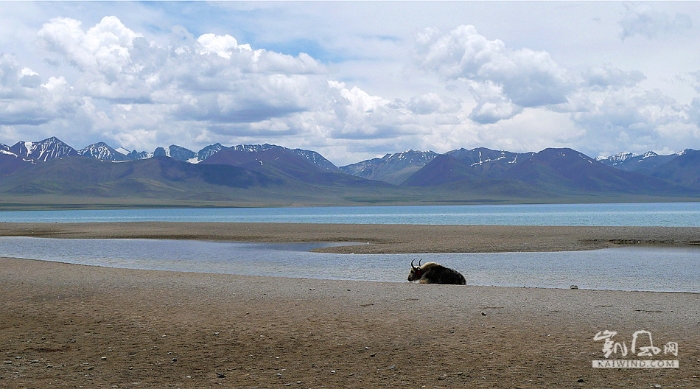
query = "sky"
x=353 y=80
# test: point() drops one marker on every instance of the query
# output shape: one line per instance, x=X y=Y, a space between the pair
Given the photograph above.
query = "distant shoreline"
x=382 y=238
x=73 y=203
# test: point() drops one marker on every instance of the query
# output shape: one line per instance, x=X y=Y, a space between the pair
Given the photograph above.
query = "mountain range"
x=51 y=173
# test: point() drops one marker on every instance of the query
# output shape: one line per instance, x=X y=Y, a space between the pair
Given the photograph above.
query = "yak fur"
x=433 y=273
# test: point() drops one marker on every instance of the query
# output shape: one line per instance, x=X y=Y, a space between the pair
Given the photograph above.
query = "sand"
x=383 y=238
x=70 y=326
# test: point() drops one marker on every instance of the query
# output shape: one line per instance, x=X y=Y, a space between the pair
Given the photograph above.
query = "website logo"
x=642 y=346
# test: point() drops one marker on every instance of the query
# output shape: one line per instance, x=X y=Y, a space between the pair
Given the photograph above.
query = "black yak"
x=433 y=273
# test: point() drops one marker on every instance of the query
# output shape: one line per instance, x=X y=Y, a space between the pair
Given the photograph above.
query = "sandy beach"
x=71 y=326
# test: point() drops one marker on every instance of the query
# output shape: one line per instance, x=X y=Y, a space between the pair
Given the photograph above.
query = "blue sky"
x=353 y=80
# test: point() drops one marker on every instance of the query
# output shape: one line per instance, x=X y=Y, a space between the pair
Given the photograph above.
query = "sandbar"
x=382 y=238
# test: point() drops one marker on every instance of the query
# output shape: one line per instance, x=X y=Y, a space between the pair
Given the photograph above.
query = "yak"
x=433 y=273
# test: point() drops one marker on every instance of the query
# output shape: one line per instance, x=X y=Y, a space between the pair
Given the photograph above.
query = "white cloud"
x=501 y=79
x=430 y=103
x=694 y=111
x=220 y=45
x=638 y=118
x=607 y=104
x=104 y=54
x=256 y=61
x=217 y=80
x=608 y=76
x=493 y=104
x=24 y=99
x=352 y=113
x=104 y=48
x=213 y=85
x=694 y=80
x=643 y=19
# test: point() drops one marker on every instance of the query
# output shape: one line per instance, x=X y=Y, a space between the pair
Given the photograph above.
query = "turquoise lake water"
x=626 y=214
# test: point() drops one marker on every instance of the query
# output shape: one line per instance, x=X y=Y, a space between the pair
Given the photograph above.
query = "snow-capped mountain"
x=103 y=152
x=312 y=156
x=47 y=149
x=53 y=148
x=392 y=168
x=616 y=159
x=315 y=158
x=180 y=153
x=483 y=156
x=136 y=155
x=244 y=172
x=5 y=149
x=636 y=162
x=208 y=151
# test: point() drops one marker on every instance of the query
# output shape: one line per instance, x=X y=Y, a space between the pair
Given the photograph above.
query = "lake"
x=649 y=269
x=623 y=214
x=627 y=268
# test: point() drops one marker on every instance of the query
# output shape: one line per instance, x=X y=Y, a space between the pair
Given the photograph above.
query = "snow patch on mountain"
x=617 y=158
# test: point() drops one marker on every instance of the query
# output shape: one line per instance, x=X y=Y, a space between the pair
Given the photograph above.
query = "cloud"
x=608 y=76
x=109 y=56
x=256 y=61
x=430 y=103
x=352 y=113
x=642 y=19
x=104 y=48
x=493 y=104
x=502 y=80
x=638 y=118
x=26 y=99
x=694 y=113
x=694 y=80
x=213 y=79
x=201 y=88
x=223 y=46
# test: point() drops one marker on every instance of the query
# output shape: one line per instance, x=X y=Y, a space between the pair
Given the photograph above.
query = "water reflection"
x=631 y=268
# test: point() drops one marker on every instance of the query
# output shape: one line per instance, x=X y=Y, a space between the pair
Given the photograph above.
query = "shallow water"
x=626 y=268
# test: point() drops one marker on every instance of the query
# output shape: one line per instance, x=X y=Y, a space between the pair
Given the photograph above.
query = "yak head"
x=416 y=272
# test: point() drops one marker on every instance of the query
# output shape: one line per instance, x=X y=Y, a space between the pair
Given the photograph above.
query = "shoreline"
x=379 y=282
x=340 y=279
